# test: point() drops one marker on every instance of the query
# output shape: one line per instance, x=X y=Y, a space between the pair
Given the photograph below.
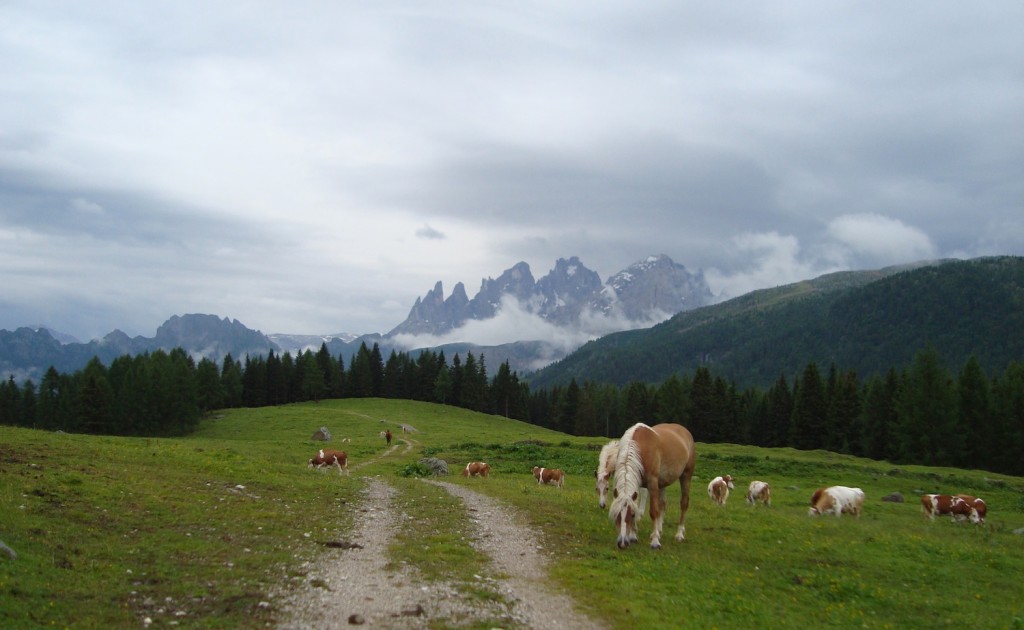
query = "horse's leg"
x=657 y=514
x=684 y=504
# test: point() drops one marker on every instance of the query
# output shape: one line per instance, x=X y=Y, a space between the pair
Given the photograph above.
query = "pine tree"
x=94 y=402
x=639 y=405
x=443 y=385
x=807 y=426
x=209 y=388
x=569 y=408
x=49 y=400
x=360 y=374
x=10 y=402
x=504 y=390
x=673 y=403
x=775 y=432
x=1008 y=399
x=377 y=371
x=843 y=411
x=977 y=417
x=927 y=412
x=231 y=382
x=878 y=417
x=310 y=377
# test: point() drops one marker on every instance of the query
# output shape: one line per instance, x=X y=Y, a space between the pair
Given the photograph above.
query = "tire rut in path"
x=354 y=581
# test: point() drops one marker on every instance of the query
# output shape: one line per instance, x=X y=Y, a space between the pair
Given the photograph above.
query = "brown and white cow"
x=978 y=504
x=943 y=504
x=476 y=469
x=330 y=457
x=837 y=500
x=719 y=489
x=759 y=491
x=553 y=476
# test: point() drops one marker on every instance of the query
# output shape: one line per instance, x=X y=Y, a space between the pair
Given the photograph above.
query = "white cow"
x=719 y=489
x=759 y=491
x=837 y=500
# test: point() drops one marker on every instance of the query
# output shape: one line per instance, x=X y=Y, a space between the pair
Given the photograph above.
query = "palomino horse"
x=605 y=469
x=655 y=458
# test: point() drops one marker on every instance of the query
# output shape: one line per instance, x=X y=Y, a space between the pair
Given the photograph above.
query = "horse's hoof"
x=655 y=545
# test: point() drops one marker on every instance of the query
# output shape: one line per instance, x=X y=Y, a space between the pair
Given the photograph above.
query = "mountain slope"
x=865 y=321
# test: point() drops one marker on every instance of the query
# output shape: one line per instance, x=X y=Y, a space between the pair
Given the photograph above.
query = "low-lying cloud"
x=851 y=241
x=514 y=322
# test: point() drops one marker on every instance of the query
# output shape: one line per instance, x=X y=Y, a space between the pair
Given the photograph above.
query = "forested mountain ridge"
x=864 y=321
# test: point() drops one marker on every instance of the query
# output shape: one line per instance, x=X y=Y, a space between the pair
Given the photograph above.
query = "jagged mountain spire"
x=650 y=290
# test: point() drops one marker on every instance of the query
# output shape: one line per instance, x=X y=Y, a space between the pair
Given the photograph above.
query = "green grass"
x=198 y=531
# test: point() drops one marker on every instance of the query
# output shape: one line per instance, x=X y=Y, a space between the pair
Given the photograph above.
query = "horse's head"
x=602 y=487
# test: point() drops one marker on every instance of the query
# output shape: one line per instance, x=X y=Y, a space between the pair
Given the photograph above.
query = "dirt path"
x=352 y=587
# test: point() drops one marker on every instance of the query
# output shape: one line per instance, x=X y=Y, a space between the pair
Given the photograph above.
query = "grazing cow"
x=837 y=500
x=942 y=504
x=759 y=491
x=476 y=469
x=977 y=504
x=554 y=476
x=719 y=489
x=329 y=457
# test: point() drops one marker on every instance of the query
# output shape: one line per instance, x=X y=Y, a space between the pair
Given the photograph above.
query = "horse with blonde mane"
x=605 y=469
x=652 y=458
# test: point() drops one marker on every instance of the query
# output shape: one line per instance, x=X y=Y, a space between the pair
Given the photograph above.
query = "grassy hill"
x=866 y=321
x=199 y=531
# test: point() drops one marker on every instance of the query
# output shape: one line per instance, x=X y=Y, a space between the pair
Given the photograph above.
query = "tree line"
x=921 y=413
x=166 y=393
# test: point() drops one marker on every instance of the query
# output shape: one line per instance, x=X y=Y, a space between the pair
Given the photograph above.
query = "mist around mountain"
x=515 y=318
x=531 y=323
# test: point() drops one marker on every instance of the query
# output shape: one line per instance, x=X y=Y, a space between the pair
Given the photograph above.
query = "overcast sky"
x=314 y=167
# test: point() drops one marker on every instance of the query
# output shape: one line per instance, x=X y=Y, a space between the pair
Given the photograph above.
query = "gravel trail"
x=351 y=587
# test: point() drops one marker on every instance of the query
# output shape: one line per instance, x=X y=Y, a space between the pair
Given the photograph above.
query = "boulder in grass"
x=436 y=466
x=322 y=435
x=893 y=497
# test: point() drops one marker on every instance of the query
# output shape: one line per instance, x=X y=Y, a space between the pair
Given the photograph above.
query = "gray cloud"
x=429 y=233
x=265 y=163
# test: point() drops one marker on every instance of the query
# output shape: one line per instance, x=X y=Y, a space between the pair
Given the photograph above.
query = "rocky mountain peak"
x=649 y=290
x=654 y=288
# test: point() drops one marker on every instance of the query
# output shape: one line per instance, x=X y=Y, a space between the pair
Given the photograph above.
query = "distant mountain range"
x=570 y=297
x=868 y=321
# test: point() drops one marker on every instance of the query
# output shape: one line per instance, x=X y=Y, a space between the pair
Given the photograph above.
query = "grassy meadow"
x=203 y=531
